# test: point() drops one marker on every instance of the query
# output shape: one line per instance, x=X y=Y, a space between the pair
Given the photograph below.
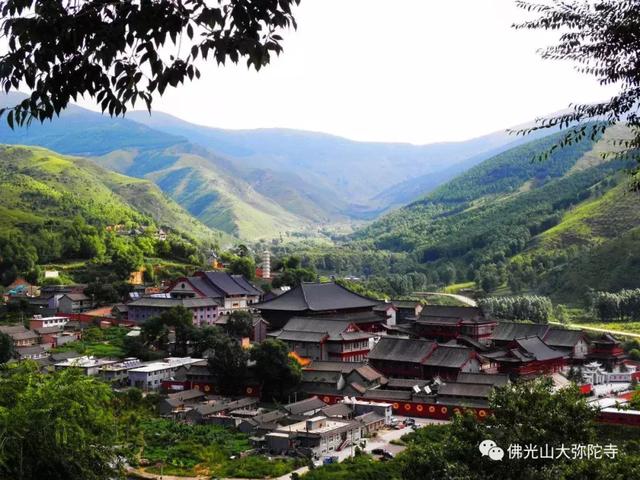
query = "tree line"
x=533 y=308
x=623 y=306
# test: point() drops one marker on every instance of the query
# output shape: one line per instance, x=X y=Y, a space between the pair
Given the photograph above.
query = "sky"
x=417 y=71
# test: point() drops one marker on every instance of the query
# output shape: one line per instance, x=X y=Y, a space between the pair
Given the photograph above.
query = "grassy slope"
x=38 y=185
x=196 y=181
x=576 y=201
x=596 y=220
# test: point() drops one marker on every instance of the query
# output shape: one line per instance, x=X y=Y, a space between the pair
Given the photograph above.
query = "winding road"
x=461 y=298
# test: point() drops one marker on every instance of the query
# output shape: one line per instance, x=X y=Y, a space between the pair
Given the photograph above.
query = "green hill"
x=57 y=208
x=241 y=201
x=201 y=183
x=529 y=225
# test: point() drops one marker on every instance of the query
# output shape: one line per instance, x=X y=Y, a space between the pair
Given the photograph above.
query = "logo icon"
x=489 y=448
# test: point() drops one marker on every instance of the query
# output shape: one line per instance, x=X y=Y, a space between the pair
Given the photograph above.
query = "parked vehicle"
x=329 y=460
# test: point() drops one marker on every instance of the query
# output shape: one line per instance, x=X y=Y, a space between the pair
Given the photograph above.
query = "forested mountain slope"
x=220 y=196
x=59 y=208
x=362 y=175
x=520 y=222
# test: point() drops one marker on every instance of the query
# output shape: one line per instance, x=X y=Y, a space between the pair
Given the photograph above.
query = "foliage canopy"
x=117 y=52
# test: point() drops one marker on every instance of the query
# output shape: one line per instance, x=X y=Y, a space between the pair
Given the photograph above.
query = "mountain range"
x=475 y=210
x=258 y=183
x=562 y=226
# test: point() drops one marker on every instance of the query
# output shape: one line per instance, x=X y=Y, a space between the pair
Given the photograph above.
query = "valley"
x=401 y=218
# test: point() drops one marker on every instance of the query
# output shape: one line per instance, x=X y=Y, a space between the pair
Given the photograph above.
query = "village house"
x=329 y=379
x=222 y=411
x=34 y=352
x=317 y=338
x=38 y=321
x=232 y=292
x=21 y=336
x=388 y=312
x=74 y=303
x=319 y=435
x=89 y=365
x=150 y=376
x=205 y=311
x=47 y=303
x=56 y=336
x=21 y=288
x=307 y=407
x=263 y=423
x=316 y=299
x=118 y=373
x=175 y=403
x=448 y=361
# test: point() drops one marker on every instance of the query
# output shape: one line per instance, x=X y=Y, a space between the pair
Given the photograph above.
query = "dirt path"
x=461 y=298
x=594 y=329
x=140 y=473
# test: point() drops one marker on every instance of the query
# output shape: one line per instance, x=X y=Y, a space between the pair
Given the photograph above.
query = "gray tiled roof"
x=76 y=297
x=453 y=389
x=537 y=348
x=203 y=286
x=9 y=329
x=313 y=329
x=173 y=302
x=401 y=349
x=446 y=311
x=35 y=349
x=390 y=395
x=311 y=376
x=406 y=383
x=508 y=331
x=431 y=320
x=26 y=335
x=227 y=284
x=306 y=405
x=326 y=366
x=337 y=410
x=318 y=297
x=405 y=303
x=449 y=357
x=496 y=380
x=247 y=285
x=296 y=336
x=562 y=337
